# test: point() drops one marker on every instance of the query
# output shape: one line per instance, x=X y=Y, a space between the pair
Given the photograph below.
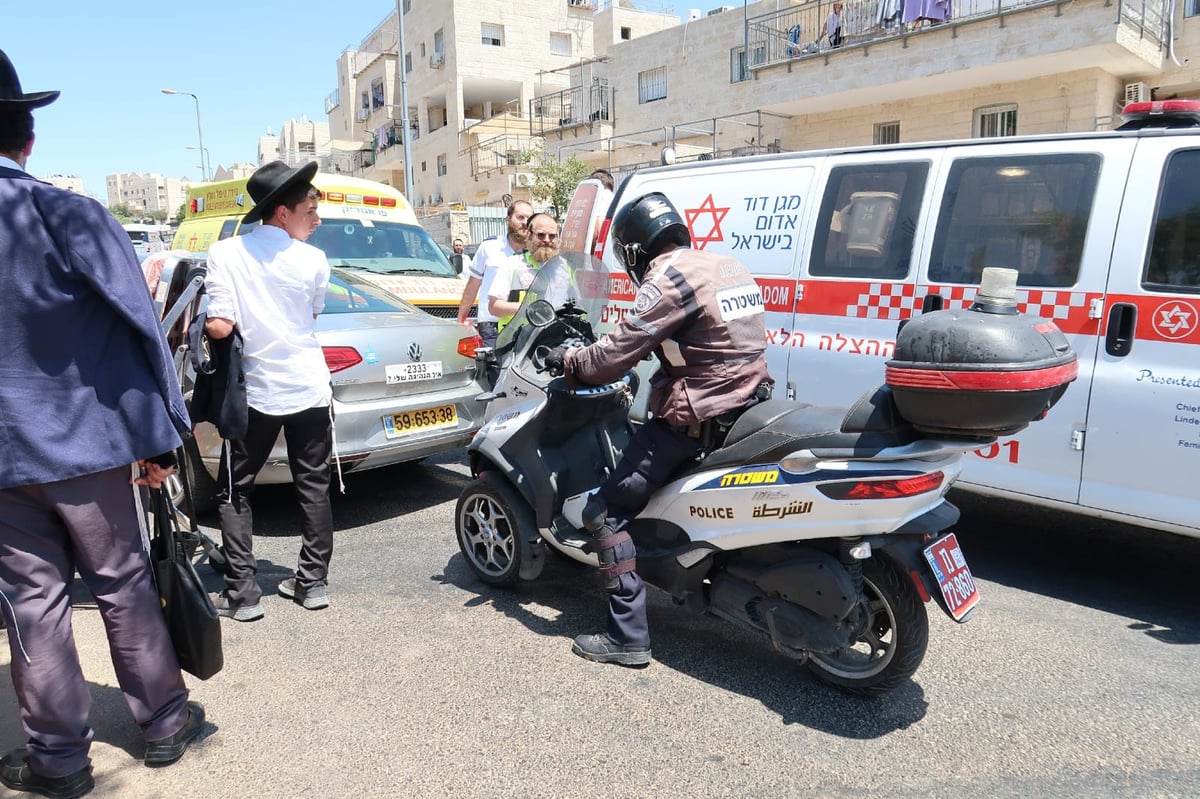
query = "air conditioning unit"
x=719 y=10
x=523 y=180
x=437 y=60
x=580 y=3
x=363 y=114
x=1137 y=92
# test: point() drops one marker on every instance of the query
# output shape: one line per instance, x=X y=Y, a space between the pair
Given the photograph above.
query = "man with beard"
x=517 y=273
x=491 y=256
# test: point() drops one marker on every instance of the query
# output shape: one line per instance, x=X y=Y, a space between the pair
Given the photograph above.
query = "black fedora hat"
x=271 y=180
x=11 y=96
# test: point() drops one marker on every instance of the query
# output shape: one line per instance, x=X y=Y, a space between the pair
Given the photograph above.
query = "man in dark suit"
x=90 y=410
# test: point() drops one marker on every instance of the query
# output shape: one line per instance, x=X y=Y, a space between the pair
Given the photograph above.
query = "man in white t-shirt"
x=491 y=255
x=270 y=285
x=518 y=272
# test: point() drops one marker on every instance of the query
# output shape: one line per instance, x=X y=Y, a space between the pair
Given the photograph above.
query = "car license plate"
x=410 y=372
x=409 y=422
x=953 y=575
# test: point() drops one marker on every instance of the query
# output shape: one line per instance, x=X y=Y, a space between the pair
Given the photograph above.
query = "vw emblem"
x=414 y=351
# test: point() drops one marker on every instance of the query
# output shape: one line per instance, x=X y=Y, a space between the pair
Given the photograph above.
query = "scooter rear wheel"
x=893 y=642
x=489 y=519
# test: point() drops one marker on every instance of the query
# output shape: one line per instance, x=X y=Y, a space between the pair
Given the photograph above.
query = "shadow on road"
x=1142 y=574
x=702 y=647
x=372 y=496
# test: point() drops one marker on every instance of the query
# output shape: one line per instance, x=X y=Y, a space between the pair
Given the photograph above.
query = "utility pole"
x=408 y=182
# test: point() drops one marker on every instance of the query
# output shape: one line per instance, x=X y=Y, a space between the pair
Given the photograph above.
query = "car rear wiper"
x=411 y=272
x=353 y=266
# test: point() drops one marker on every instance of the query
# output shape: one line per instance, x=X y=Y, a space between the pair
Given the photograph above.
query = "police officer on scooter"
x=702 y=315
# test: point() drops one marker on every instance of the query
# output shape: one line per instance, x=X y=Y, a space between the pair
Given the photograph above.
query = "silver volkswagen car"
x=404 y=382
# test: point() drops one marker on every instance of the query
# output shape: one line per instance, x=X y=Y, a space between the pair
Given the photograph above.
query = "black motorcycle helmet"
x=643 y=229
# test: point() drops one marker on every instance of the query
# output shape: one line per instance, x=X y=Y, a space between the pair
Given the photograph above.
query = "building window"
x=626 y=33
x=492 y=34
x=996 y=120
x=887 y=133
x=1191 y=8
x=407 y=6
x=423 y=163
x=407 y=63
x=422 y=50
x=652 y=85
x=439 y=41
x=737 y=65
x=560 y=43
x=377 y=96
x=441 y=165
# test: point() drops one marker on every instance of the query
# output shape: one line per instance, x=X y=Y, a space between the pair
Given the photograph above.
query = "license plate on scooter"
x=953 y=576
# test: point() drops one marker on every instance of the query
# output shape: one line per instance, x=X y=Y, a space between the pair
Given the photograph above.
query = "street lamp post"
x=204 y=156
x=199 y=134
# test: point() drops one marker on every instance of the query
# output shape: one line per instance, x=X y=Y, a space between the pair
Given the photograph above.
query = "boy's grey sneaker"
x=314 y=597
x=234 y=611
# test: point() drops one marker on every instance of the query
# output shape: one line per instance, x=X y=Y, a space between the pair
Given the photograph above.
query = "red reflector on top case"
x=993 y=380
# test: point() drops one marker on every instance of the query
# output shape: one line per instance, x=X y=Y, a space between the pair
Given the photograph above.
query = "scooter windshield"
x=568 y=278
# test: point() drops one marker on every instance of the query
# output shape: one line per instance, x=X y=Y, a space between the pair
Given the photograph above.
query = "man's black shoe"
x=165 y=751
x=603 y=649
x=16 y=773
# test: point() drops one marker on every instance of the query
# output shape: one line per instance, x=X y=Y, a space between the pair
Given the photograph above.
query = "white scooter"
x=824 y=529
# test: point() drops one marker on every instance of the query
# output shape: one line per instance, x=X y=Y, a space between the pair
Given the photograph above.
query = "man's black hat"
x=11 y=96
x=271 y=180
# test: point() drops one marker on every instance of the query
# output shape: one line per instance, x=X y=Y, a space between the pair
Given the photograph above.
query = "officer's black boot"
x=599 y=646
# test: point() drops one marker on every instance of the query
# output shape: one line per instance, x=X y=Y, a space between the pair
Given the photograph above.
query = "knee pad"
x=612 y=566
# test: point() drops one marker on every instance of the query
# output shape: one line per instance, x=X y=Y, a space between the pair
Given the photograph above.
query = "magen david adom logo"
x=1175 y=320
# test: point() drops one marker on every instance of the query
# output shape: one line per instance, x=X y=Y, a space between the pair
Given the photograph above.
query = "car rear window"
x=347 y=294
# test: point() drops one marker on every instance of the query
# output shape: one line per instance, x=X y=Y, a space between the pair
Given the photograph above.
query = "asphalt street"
x=1075 y=677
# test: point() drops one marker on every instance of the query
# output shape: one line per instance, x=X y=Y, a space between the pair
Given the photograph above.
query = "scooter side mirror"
x=540 y=313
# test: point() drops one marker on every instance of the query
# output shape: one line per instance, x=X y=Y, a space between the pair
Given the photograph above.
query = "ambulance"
x=1103 y=228
x=366 y=227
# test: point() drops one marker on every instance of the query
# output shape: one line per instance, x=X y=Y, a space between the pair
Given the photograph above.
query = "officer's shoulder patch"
x=647 y=297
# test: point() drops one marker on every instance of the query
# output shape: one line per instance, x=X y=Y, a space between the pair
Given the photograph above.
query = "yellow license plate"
x=409 y=422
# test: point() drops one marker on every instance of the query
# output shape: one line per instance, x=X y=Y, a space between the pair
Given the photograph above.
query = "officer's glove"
x=556 y=361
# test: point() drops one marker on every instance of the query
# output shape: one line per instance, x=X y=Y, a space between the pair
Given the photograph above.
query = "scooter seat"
x=771 y=430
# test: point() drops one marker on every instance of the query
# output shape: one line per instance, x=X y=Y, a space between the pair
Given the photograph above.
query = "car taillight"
x=339 y=358
x=602 y=239
x=883 y=489
x=468 y=345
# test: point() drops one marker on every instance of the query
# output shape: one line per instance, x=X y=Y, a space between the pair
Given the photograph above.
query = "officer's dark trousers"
x=309 y=440
x=654 y=455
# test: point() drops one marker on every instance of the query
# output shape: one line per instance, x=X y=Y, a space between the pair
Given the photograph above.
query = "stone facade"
x=147 y=192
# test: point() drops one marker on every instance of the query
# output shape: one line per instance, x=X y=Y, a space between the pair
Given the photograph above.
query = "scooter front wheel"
x=489 y=520
x=892 y=644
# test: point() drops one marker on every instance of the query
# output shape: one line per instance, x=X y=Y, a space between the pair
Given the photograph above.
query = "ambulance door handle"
x=1122 y=321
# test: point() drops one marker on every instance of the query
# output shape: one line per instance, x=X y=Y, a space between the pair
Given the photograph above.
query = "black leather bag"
x=192 y=620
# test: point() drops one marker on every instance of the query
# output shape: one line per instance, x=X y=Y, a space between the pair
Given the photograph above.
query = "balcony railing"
x=579 y=105
x=799 y=31
x=498 y=152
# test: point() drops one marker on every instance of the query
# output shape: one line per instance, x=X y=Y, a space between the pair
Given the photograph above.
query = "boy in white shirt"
x=271 y=286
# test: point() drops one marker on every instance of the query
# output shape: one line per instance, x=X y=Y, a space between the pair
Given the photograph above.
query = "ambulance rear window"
x=1023 y=212
x=1174 y=259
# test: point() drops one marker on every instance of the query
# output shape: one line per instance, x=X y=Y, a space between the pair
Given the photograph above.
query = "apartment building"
x=147 y=192
x=493 y=85
x=485 y=82
x=766 y=77
x=68 y=182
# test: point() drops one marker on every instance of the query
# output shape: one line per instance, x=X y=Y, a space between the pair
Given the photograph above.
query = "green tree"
x=159 y=216
x=555 y=181
x=125 y=213
x=180 y=214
